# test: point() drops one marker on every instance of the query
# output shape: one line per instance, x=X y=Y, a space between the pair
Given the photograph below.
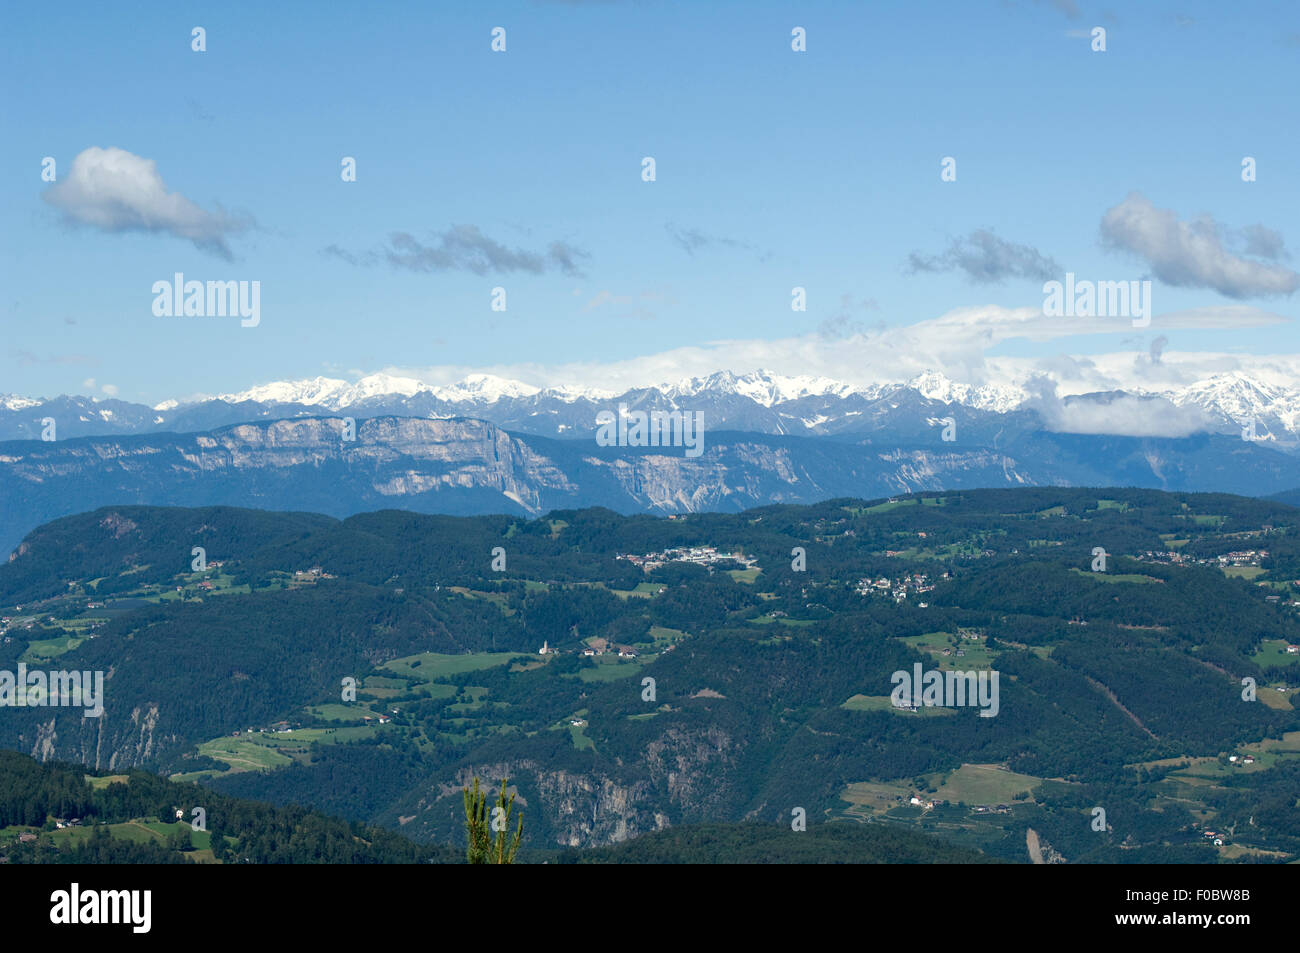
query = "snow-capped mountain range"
x=762 y=387
x=758 y=401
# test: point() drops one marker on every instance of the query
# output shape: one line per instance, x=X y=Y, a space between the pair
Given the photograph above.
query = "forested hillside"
x=714 y=668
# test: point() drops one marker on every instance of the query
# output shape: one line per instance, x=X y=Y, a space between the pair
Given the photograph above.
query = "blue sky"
x=775 y=169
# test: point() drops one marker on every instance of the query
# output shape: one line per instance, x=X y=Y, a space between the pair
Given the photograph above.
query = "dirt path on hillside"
x=1115 y=698
x=1035 y=851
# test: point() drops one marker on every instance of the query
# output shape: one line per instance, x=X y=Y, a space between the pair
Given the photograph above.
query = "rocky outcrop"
x=683 y=778
x=464 y=466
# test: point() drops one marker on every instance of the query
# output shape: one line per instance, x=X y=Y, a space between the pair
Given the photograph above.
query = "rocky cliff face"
x=683 y=778
x=104 y=743
x=465 y=466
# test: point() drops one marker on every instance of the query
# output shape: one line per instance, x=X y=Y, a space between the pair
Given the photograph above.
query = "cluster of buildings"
x=594 y=647
x=599 y=646
x=1242 y=557
x=700 y=555
x=896 y=588
x=929 y=804
x=7 y=622
x=299 y=573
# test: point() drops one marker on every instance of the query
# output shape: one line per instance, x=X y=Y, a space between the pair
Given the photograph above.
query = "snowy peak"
x=323 y=391
x=337 y=394
x=995 y=397
x=571 y=394
x=762 y=387
x=1234 y=395
x=759 y=401
x=383 y=385
x=484 y=389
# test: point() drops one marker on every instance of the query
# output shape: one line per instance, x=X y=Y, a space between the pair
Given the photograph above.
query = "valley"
x=633 y=674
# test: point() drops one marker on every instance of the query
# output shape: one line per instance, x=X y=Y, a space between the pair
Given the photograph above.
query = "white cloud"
x=1126 y=415
x=957 y=344
x=1192 y=254
x=118 y=191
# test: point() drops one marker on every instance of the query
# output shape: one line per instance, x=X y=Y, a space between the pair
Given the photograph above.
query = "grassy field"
x=875 y=796
x=1215 y=770
x=137 y=831
x=266 y=751
x=429 y=666
x=895 y=504
x=974 y=784
x=580 y=739
x=882 y=703
x=43 y=650
x=769 y=620
x=1116 y=576
x=497 y=598
x=244 y=754
x=1242 y=572
x=1273 y=652
x=100 y=783
x=643 y=590
x=610 y=668
x=978 y=655
x=661 y=635
x=984 y=784
x=378 y=686
x=339 y=712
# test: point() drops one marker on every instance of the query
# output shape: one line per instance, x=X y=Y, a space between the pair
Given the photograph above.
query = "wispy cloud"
x=692 y=240
x=636 y=306
x=1192 y=254
x=1067 y=7
x=847 y=321
x=960 y=344
x=465 y=248
x=118 y=191
x=25 y=358
x=987 y=259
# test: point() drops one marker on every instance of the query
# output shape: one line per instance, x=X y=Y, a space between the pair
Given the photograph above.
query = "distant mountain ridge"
x=466 y=466
x=760 y=402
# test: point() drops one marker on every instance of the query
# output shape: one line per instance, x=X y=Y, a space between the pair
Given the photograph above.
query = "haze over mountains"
x=759 y=402
x=488 y=445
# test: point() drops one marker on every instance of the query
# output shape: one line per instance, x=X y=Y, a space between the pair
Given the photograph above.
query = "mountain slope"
x=465 y=466
x=759 y=401
x=770 y=677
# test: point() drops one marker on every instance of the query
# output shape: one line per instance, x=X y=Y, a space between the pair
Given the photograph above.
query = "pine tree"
x=481 y=848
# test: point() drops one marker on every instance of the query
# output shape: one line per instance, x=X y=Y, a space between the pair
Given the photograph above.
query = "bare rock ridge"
x=465 y=466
